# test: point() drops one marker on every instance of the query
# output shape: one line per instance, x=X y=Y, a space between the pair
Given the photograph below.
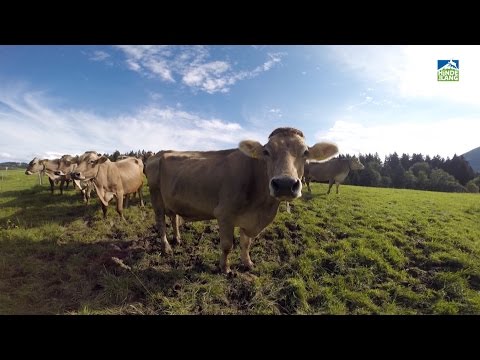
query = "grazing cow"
x=111 y=178
x=239 y=187
x=47 y=167
x=333 y=171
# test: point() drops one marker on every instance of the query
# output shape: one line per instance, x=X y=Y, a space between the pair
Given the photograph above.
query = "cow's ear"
x=251 y=148
x=102 y=159
x=322 y=151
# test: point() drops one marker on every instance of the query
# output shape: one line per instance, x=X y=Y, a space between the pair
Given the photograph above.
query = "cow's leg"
x=68 y=182
x=245 y=242
x=337 y=184
x=104 y=209
x=160 y=224
x=177 y=240
x=330 y=184
x=88 y=193
x=140 y=196
x=52 y=184
x=61 y=186
x=307 y=180
x=120 y=205
x=127 y=197
x=226 y=243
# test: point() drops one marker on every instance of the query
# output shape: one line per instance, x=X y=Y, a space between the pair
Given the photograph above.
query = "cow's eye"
x=306 y=153
x=266 y=152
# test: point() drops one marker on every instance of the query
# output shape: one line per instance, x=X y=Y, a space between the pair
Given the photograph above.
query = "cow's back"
x=336 y=169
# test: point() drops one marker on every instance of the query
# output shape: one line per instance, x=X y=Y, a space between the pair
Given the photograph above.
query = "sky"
x=57 y=100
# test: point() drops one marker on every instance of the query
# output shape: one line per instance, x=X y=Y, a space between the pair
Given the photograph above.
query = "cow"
x=47 y=167
x=111 y=178
x=333 y=171
x=240 y=187
x=66 y=166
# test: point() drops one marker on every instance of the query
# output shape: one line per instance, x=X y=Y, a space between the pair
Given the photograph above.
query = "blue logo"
x=448 y=70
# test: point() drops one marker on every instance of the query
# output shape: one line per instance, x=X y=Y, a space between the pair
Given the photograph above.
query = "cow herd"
x=240 y=187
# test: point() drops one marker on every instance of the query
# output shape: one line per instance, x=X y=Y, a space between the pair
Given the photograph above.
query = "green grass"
x=364 y=251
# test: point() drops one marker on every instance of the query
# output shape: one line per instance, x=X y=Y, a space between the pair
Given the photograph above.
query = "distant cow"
x=111 y=178
x=47 y=167
x=239 y=187
x=333 y=171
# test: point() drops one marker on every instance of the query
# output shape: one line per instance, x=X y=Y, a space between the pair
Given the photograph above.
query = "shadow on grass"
x=50 y=278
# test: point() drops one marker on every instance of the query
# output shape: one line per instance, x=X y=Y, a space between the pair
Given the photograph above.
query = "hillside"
x=365 y=251
x=473 y=157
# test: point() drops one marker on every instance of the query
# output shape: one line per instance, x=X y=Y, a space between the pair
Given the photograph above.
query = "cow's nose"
x=76 y=174
x=285 y=186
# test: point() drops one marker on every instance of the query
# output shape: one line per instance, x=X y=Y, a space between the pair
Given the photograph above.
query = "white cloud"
x=411 y=71
x=99 y=55
x=191 y=64
x=445 y=137
x=32 y=127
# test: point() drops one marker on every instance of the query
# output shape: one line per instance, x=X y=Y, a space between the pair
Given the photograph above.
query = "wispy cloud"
x=32 y=126
x=410 y=71
x=445 y=137
x=191 y=65
x=99 y=55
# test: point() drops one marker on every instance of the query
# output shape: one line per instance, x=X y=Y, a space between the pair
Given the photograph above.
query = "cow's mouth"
x=77 y=176
x=285 y=188
x=28 y=172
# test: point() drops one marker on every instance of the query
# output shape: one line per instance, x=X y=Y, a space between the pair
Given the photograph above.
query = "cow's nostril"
x=275 y=185
x=296 y=186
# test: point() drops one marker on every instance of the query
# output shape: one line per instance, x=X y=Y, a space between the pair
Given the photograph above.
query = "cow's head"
x=355 y=164
x=87 y=166
x=285 y=155
x=67 y=164
x=34 y=166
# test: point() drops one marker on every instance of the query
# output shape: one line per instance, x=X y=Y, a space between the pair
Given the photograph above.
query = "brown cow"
x=239 y=187
x=111 y=178
x=66 y=166
x=333 y=171
x=47 y=167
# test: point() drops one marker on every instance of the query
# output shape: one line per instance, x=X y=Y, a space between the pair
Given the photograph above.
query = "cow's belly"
x=187 y=210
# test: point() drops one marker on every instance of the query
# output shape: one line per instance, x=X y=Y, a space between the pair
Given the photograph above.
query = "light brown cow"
x=66 y=166
x=47 y=167
x=239 y=187
x=111 y=178
x=333 y=171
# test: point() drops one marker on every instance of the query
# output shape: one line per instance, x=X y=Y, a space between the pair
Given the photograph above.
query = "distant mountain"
x=473 y=157
x=13 y=165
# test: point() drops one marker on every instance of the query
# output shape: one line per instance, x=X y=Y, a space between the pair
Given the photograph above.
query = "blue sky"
x=57 y=100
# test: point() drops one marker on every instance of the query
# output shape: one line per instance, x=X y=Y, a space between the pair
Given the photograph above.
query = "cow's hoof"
x=176 y=241
x=167 y=249
x=249 y=266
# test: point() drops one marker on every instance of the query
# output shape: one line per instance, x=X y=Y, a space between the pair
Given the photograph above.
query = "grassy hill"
x=364 y=251
x=473 y=157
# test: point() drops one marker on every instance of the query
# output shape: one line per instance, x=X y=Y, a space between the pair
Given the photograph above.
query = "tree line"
x=402 y=172
x=416 y=172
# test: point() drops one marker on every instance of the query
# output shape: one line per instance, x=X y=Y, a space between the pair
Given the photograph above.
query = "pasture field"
x=364 y=251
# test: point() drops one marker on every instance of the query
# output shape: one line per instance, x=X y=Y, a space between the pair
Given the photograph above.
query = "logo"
x=447 y=70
